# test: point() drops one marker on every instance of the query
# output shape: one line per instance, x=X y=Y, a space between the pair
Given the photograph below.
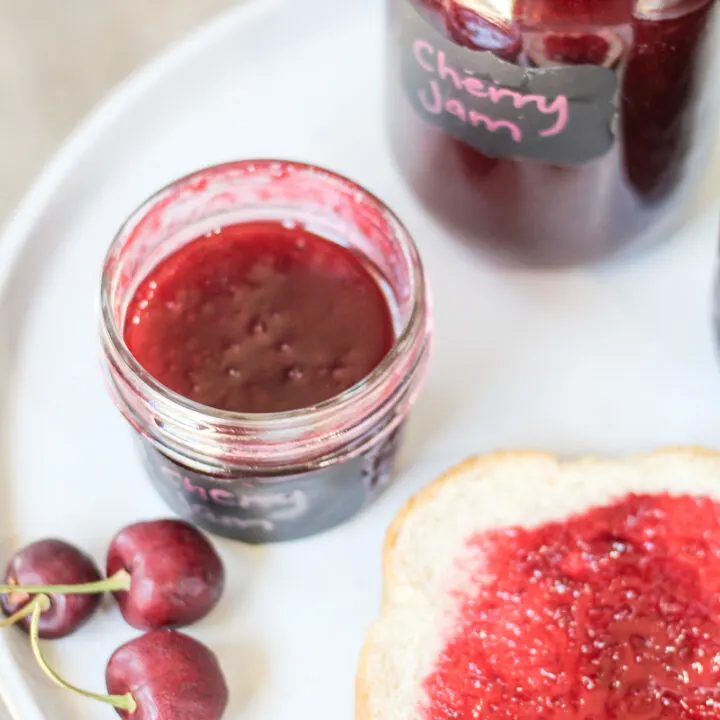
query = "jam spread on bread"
x=613 y=613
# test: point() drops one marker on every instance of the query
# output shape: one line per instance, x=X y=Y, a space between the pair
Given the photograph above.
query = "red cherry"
x=176 y=577
x=48 y=563
x=170 y=676
x=483 y=32
x=603 y=47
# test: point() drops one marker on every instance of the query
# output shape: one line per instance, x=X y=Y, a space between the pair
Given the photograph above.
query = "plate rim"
x=28 y=211
x=107 y=111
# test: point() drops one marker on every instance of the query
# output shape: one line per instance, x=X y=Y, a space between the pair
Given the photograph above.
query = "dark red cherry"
x=603 y=47
x=176 y=577
x=170 y=675
x=52 y=562
x=479 y=32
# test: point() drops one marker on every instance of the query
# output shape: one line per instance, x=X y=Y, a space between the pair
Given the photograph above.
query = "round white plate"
x=612 y=359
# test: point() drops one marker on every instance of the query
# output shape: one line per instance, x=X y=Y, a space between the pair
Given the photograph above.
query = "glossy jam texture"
x=545 y=211
x=258 y=318
x=611 y=615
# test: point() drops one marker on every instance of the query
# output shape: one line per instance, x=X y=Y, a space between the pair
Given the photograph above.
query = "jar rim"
x=113 y=335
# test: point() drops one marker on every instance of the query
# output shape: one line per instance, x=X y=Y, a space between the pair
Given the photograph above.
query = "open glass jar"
x=556 y=131
x=282 y=475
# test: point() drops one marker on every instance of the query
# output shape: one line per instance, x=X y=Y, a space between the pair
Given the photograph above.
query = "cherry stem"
x=21 y=614
x=121 y=702
x=120 y=581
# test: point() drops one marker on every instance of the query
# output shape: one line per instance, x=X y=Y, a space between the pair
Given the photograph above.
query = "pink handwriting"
x=436 y=104
x=435 y=63
x=204 y=512
x=277 y=506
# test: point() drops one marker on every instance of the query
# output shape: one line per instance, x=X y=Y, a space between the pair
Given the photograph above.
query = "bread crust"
x=472 y=465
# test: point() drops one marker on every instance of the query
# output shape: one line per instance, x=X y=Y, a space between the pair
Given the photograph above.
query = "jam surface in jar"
x=538 y=205
x=614 y=613
x=259 y=317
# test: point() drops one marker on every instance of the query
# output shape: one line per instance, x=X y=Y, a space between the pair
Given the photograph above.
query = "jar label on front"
x=264 y=510
x=561 y=115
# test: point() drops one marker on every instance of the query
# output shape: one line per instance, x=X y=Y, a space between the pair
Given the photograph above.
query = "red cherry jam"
x=265 y=330
x=471 y=131
x=259 y=318
x=614 y=613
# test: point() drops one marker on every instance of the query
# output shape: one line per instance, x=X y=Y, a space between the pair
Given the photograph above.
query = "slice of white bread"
x=425 y=546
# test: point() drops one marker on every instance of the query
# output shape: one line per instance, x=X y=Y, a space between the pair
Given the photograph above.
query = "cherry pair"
x=164 y=575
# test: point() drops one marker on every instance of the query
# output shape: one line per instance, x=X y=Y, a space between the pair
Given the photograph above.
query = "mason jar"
x=553 y=132
x=267 y=477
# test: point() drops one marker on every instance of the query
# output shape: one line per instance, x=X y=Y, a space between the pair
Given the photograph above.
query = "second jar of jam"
x=556 y=131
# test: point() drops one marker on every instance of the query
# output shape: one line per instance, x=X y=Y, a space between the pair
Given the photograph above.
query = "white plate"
x=603 y=360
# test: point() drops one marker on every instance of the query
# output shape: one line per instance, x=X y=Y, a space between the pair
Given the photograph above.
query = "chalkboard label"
x=265 y=510
x=564 y=115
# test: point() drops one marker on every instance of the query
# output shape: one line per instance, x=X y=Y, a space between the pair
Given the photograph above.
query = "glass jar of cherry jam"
x=553 y=131
x=265 y=330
